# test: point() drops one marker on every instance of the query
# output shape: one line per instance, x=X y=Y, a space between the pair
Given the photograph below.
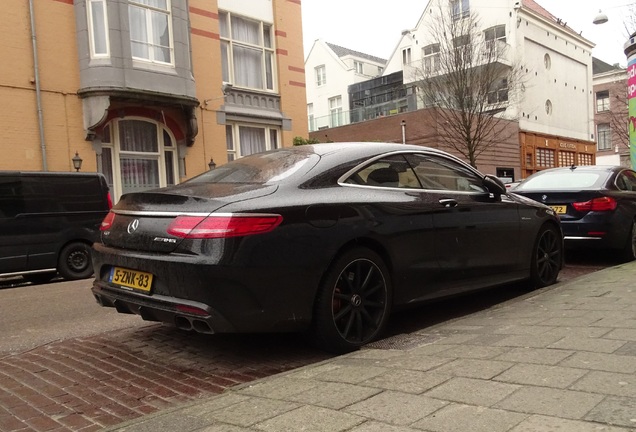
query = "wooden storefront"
x=539 y=152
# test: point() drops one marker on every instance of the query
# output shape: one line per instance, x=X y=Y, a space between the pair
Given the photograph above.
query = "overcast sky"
x=374 y=26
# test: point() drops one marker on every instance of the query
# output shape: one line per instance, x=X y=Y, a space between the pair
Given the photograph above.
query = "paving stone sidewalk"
x=559 y=359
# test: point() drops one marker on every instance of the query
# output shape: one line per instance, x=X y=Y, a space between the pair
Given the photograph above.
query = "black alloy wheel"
x=353 y=303
x=547 y=257
x=629 y=251
x=75 y=261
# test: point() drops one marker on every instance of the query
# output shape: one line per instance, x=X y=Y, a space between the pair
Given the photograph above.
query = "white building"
x=555 y=106
x=329 y=70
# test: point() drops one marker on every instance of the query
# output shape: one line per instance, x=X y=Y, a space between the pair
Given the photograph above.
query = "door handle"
x=448 y=202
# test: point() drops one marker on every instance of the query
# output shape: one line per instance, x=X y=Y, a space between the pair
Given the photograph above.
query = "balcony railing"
x=415 y=71
x=357 y=115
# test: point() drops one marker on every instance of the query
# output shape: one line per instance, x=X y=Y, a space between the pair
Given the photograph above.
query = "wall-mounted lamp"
x=211 y=164
x=77 y=162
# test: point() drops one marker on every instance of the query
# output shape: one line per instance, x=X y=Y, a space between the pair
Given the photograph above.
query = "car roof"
x=358 y=150
x=362 y=148
x=589 y=168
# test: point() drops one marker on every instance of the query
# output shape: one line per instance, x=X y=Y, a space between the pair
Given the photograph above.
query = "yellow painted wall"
x=61 y=109
x=291 y=67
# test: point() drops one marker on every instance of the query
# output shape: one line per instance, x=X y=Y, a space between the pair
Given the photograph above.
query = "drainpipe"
x=37 y=87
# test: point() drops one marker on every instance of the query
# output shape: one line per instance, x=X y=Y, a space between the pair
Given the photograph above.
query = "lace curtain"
x=252 y=140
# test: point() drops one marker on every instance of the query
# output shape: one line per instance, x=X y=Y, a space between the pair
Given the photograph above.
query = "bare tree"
x=468 y=78
x=630 y=21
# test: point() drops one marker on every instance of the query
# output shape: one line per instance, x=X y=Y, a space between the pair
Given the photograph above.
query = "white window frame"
x=150 y=42
x=460 y=9
x=321 y=75
x=431 y=58
x=603 y=136
x=272 y=136
x=116 y=152
x=335 y=112
x=499 y=94
x=602 y=102
x=310 y=117
x=91 y=6
x=265 y=46
x=358 y=66
x=406 y=56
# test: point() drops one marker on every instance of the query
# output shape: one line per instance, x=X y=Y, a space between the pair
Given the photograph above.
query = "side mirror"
x=494 y=185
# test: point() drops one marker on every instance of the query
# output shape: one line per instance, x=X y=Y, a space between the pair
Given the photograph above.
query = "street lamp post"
x=403 y=124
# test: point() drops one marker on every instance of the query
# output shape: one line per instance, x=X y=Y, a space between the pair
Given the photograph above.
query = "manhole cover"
x=404 y=341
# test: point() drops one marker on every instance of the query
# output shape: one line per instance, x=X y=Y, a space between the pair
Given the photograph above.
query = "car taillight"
x=201 y=227
x=107 y=222
x=110 y=200
x=596 y=204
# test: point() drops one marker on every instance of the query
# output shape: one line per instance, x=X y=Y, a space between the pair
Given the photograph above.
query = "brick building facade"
x=148 y=92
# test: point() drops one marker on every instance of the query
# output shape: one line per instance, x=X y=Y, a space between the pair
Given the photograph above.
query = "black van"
x=48 y=223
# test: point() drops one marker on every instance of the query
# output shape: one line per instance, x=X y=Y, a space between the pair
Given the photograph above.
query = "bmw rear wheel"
x=629 y=251
x=353 y=304
x=547 y=257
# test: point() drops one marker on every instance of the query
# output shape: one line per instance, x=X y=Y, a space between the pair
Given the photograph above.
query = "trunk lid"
x=142 y=219
x=561 y=201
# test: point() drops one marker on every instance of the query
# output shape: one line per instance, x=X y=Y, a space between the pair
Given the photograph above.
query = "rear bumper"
x=608 y=235
x=194 y=294
x=163 y=309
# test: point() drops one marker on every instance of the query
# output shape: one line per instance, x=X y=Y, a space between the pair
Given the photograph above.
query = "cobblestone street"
x=86 y=384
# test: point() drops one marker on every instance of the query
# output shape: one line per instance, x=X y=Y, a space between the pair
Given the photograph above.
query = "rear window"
x=563 y=180
x=260 y=168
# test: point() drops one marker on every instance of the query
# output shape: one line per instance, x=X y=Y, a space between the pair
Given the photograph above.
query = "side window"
x=626 y=181
x=392 y=172
x=11 y=201
x=438 y=173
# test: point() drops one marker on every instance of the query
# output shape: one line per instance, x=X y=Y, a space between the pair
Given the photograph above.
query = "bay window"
x=98 y=28
x=151 y=30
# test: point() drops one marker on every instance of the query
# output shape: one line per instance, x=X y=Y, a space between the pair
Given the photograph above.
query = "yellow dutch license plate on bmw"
x=130 y=278
x=560 y=209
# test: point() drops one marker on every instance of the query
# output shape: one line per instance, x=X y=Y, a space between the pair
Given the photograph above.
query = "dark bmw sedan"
x=596 y=204
x=326 y=238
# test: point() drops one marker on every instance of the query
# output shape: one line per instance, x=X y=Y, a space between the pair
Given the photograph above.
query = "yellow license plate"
x=131 y=278
x=560 y=209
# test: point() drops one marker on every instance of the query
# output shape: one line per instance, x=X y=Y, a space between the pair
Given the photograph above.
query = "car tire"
x=629 y=251
x=547 y=257
x=353 y=302
x=75 y=261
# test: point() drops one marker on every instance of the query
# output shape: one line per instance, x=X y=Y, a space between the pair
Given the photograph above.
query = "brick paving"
x=86 y=384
